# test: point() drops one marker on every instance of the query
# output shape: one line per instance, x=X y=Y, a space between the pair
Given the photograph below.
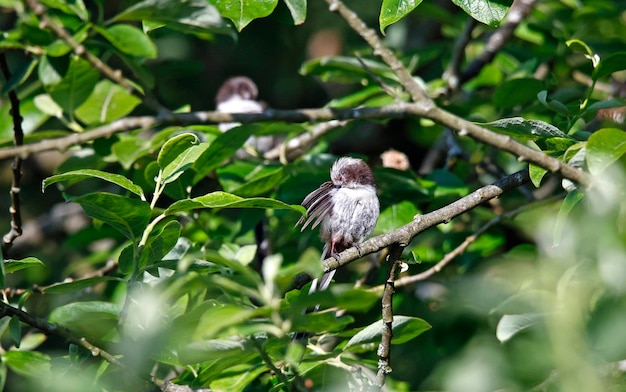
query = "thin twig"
x=384 y=349
x=378 y=80
x=459 y=250
x=55 y=329
x=80 y=50
x=268 y=361
x=405 y=234
x=519 y=10
x=451 y=75
x=16 y=166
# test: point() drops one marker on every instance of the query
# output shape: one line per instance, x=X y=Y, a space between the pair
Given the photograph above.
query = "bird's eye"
x=340 y=178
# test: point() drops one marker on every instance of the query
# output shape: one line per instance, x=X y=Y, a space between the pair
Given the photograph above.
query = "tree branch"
x=396 y=110
x=405 y=234
x=384 y=349
x=16 y=166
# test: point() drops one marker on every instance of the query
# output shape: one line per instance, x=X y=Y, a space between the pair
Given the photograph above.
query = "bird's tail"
x=320 y=284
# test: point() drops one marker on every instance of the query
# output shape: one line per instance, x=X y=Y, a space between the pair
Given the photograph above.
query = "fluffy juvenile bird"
x=347 y=208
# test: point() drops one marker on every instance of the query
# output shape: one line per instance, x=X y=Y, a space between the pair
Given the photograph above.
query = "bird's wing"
x=318 y=205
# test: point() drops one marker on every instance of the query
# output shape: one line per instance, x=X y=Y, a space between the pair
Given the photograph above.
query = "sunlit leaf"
x=76 y=85
x=192 y=16
x=392 y=11
x=77 y=285
x=489 y=12
x=11 y=265
x=107 y=103
x=522 y=128
x=130 y=40
x=404 y=328
x=604 y=147
x=512 y=324
x=297 y=8
x=128 y=216
x=227 y=200
x=77 y=175
x=241 y=13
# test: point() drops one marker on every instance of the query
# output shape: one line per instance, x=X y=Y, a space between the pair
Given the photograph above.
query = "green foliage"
x=172 y=275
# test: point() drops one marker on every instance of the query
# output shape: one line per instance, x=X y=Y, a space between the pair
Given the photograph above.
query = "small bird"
x=347 y=208
x=237 y=95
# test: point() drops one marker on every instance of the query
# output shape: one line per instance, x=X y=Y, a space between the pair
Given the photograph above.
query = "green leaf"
x=607 y=104
x=19 y=76
x=579 y=46
x=32 y=364
x=297 y=8
x=46 y=104
x=128 y=216
x=242 y=12
x=160 y=242
x=216 y=320
x=554 y=105
x=192 y=16
x=570 y=201
x=610 y=64
x=239 y=377
x=489 y=12
x=74 y=7
x=344 y=69
x=392 y=11
x=129 y=149
x=11 y=265
x=526 y=129
x=227 y=200
x=76 y=85
x=510 y=325
x=130 y=40
x=77 y=175
x=107 y=103
x=77 y=285
x=248 y=179
x=604 y=147
x=60 y=48
x=179 y=154
x=395 y=216
x=15 y=331
x=207 y=350
x=222 y=148
x=174 y=147
x=92 y=319
x=516 y=92
x=404 y=328
x=536 y=174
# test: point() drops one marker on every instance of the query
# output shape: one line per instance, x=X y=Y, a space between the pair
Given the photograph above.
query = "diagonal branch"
x=405 y=234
